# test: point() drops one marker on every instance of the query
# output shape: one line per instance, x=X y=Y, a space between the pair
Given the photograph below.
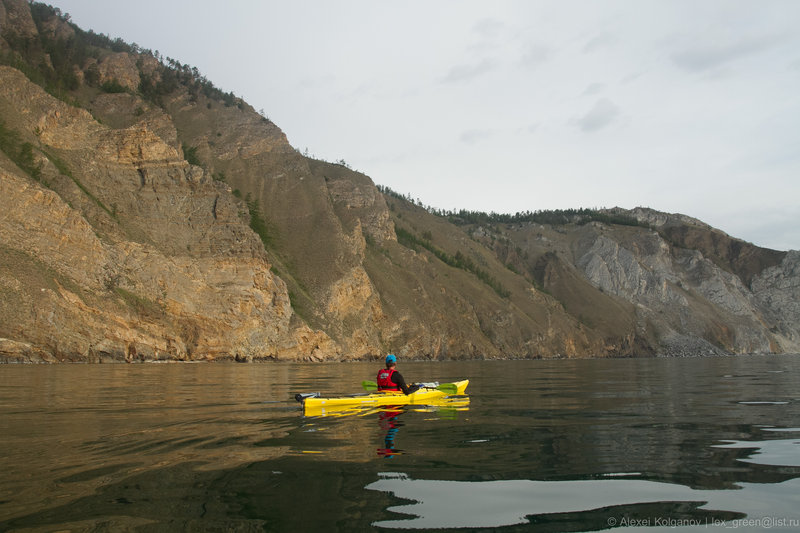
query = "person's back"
x=389 y=379
x=385 y=381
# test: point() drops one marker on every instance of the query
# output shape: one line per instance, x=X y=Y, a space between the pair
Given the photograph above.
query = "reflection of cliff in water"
x=274 y=495
x=614 y=500
x=197 y=447
x=662 y=418
x=460 y=504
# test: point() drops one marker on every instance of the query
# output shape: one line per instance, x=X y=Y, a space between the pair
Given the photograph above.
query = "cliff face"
x=679 y=299
x=180 y=224
x=136 y=254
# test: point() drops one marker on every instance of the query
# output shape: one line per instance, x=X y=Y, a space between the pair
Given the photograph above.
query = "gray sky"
x=683 y=106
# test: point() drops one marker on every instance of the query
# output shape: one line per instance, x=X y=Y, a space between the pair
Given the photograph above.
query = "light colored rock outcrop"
x=696 y=305
x=777 y=289
x=120 y=68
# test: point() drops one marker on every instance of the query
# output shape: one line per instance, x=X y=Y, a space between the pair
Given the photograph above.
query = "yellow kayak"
x=448 y=404
x=316 y=405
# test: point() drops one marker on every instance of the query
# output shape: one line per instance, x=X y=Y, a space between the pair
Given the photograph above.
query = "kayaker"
x=390 y=379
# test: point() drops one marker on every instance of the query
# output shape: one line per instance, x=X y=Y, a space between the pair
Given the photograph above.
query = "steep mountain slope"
x=154 y=217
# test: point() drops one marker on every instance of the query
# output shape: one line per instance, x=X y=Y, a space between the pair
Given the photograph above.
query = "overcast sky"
x=683 y=106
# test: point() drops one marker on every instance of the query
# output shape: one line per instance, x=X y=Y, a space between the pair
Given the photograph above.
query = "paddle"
x=449 y=388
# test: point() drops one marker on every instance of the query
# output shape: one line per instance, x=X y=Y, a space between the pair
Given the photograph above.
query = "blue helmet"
x=391 y=359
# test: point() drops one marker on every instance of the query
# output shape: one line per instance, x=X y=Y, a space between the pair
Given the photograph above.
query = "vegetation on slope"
x=552 y=217
x=459 y=260
x=54 y=62
x=21 y=153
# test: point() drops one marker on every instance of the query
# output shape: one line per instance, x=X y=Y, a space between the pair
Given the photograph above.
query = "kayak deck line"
x=315 y=402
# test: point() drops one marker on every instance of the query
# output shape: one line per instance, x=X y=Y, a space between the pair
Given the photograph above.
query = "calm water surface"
x=701 y=444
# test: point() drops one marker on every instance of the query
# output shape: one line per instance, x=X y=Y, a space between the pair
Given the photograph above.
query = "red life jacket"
x=385 y=379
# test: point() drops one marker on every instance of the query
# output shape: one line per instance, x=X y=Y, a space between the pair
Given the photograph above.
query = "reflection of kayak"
x=313 y=406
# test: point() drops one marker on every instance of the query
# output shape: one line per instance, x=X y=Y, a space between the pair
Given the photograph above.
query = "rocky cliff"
x=145 y=215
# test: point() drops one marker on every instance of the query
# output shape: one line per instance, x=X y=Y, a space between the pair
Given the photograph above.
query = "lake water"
x=698 y=444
